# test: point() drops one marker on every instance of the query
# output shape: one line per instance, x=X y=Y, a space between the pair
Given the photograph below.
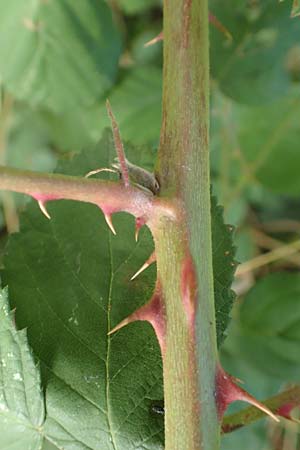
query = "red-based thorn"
x=285 y=411
x=139 y=222
x=227 y=391
x=145 y=266
x=43 y=209
x=109 y=223
x=104 y=169
x=153 y=41
x=152 y=312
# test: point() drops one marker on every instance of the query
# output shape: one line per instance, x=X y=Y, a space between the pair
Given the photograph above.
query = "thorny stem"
x=184 y=254
x=290 y=397
x=110 y=196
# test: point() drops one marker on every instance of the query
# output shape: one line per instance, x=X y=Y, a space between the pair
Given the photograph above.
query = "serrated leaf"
x=60 y=53
x=69 y=279
x=267 y=335
x=21 y=400
x=224 y=267
x=252 y=67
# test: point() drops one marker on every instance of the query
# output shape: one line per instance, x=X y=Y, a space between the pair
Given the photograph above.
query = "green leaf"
x=255 y=144
x=136 y=103
x=21 y=399
x=28 y=142
x=267 y=335
x=269 y=139
x=65 y=53
x=252 y=67
x=69 y=279
x=223 y=267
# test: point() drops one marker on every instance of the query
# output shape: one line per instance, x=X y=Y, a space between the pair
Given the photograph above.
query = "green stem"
x=183 y=171
x=248 y=415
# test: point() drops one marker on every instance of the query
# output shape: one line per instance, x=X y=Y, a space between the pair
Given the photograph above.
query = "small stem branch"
x=248 y=415
x=110 y=196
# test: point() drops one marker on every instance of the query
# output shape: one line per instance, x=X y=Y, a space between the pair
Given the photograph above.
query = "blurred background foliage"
x=58 y=65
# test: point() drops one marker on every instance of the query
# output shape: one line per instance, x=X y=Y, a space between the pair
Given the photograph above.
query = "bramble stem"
x=184 y=251
x=289 y=397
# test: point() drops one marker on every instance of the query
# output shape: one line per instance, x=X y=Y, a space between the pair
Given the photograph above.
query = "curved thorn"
x=249 y=399
x=136 y=234
x=120 y=325
x=153 y=41
x=109 y=223
x=152 y=312
x=93 y=172
x=149 y=261
x=43 y=209
x=228 y=392
x=144 y=267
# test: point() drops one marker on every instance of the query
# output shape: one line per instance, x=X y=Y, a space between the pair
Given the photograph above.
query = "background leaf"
x=21 y=400
x=136 y=101
x=65 y=53
x=262 y=350
x=269 y=139
x=252 y=68
x=254 y=153
x=267 y=333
